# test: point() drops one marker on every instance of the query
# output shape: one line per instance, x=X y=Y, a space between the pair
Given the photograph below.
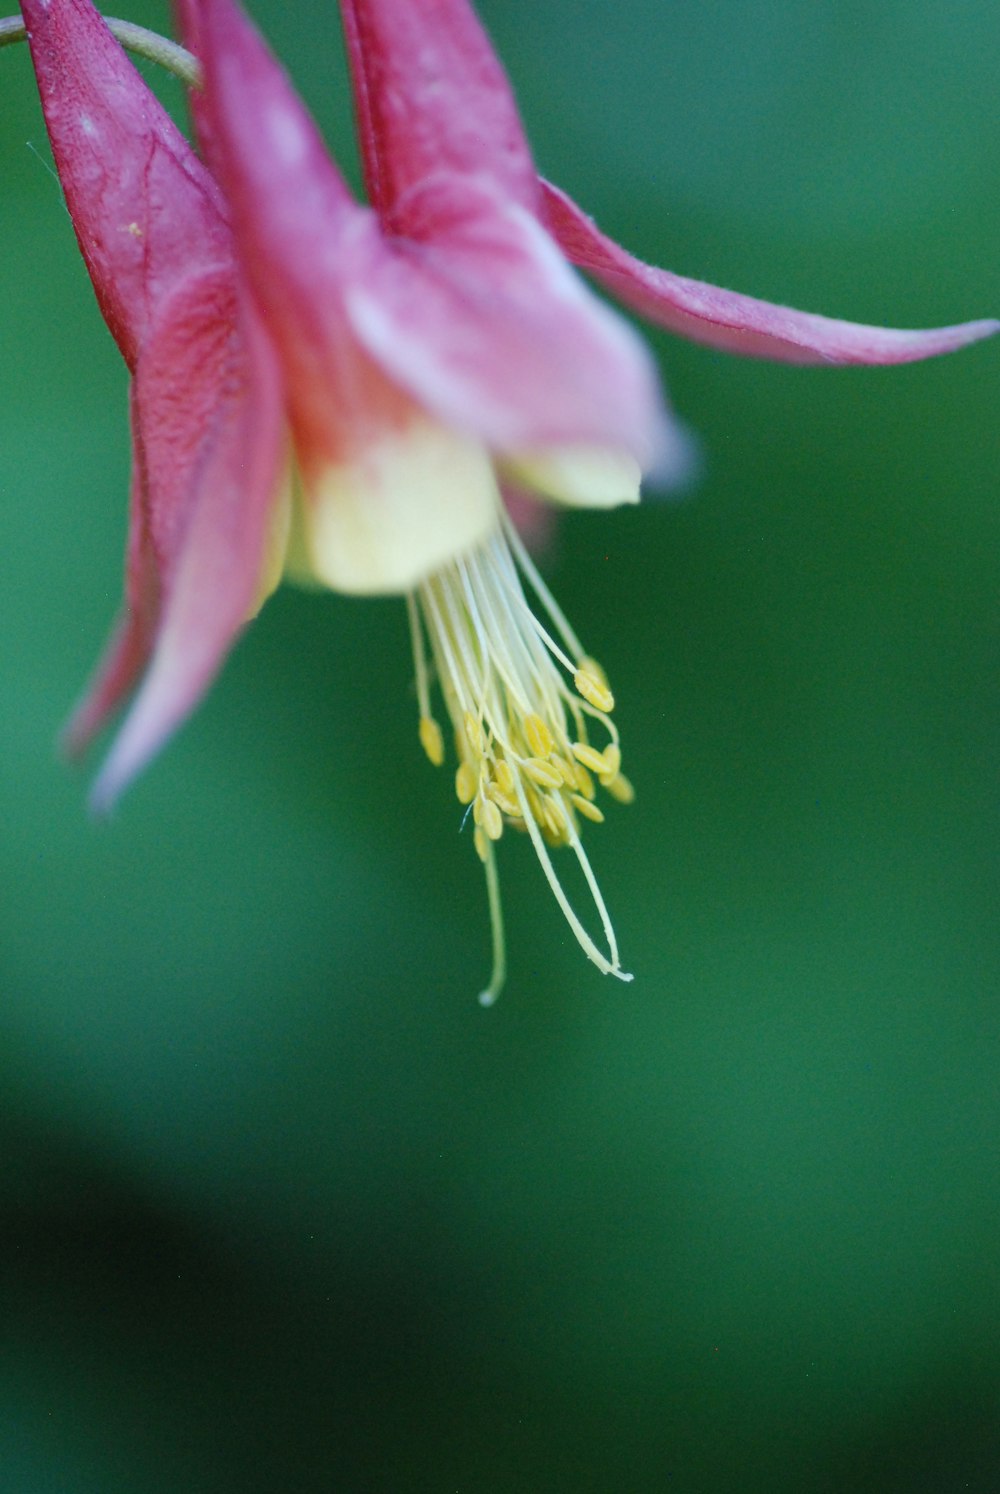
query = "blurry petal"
x=736 y=323
x=208 y=400
x=131 y=643
x=479 y=316
x=582 y=476
x=430 y=95
x=187 y=15
x=476 y=314
x=297 y=231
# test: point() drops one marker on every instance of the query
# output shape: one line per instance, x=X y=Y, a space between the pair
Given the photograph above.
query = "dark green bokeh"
x=281 y=1206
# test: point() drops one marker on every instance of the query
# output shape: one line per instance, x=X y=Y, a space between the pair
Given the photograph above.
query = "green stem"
x=137 y=39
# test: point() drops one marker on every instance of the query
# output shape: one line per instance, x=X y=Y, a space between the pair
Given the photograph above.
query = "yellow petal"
x=581 y=476
x=412 y=501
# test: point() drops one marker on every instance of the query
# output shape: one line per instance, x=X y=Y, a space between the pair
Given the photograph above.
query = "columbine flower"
x=427 y=350
x=209 y=502
x=443 y=342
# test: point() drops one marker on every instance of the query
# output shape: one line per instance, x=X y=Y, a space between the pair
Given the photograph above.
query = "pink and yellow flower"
x=425 y=351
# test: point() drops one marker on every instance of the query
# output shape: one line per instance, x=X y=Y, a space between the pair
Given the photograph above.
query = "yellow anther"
x=567 y=769
x=612 y=761
x=506 y=805
x=588 y=810
x=474 y=732
x=554 y=817
x=481 y=844
x=590 y=757
x=504 y=779
x=492 y=819
x=538 y=737
x=466 y=782
x=542 y=773
x=584 y=782
x=536 y=804
x=593 y=692
x=431 y=740
x=621 y=789
x=592 y=667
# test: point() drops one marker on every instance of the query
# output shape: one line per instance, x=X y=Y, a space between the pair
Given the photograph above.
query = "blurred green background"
x=280 y=1206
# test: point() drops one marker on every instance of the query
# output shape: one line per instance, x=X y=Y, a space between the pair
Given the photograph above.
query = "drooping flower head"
x=425 y=351
x=208 y=496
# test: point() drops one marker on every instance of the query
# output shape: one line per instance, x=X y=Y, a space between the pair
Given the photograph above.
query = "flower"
x=441 y=343
x=209 y=495
x=424 y=352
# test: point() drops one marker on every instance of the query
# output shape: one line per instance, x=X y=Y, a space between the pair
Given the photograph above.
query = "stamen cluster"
x=524 y=707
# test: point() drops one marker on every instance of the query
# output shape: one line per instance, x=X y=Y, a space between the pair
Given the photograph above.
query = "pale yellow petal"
x=414 y=500
x=580 y=476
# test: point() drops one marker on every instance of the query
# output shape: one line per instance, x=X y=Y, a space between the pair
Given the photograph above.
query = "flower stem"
x=137 y=39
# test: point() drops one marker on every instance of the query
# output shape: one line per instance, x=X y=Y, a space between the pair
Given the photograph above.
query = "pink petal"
x=296 y=227
x=146 y=212
x=131 y=643
x=481 y=319
x=188 y=22
x=476 y=315
x=430 y=95
x=208 y=400
x=736 y=323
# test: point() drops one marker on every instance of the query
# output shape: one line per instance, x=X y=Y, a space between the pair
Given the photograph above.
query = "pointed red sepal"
x=430 y=96
x=131 y=643
x=736 y=323
x=208 y=401
x=146 y=212
x=207 y=423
